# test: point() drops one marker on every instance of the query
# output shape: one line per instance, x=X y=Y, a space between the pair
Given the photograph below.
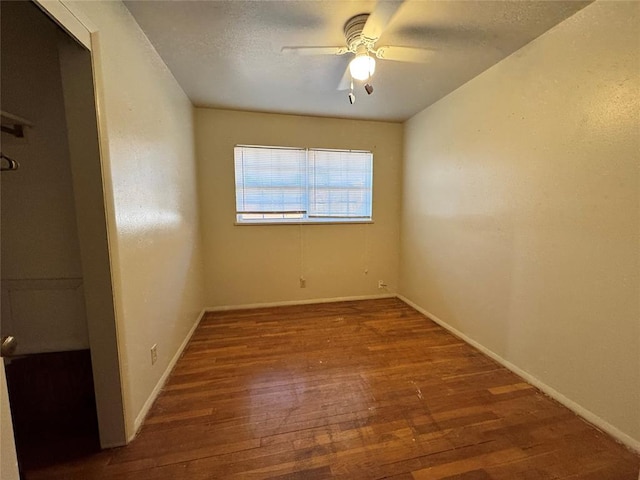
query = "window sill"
x=253 y=224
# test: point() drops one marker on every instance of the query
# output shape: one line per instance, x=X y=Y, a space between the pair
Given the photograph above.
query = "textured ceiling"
x=226 y=54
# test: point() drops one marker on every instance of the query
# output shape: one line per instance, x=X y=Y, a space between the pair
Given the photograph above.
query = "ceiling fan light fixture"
x=362 y=67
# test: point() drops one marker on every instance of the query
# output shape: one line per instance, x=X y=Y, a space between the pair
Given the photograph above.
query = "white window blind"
x=270 y=183
x=290 y=185
x=340 y=184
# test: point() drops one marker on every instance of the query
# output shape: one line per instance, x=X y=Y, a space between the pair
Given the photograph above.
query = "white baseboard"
x=570 y=404
x=224 y=308
x=154 y=394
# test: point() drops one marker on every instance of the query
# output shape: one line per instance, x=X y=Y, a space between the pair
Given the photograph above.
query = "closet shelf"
x=13 y=124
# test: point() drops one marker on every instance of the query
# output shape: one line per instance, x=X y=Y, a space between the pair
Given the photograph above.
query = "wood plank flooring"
x=353 y=390
x=53 y=407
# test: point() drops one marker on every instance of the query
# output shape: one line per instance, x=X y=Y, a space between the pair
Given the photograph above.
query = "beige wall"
x=149 y=167
x=521 y=211
x=262 y=264
x=42 y=284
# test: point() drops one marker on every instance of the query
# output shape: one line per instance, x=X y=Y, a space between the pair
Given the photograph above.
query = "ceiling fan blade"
x=315 y=50
x=380 y=18
x=345 y=82
x=405 y=54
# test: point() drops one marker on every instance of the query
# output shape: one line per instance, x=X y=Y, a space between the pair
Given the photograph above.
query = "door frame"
x=8 y=457
x=103 y=329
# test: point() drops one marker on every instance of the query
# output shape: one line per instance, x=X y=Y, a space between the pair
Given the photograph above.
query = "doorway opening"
x=57 y=299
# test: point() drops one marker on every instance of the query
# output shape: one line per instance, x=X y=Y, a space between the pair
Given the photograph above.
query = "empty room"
x=308 y=239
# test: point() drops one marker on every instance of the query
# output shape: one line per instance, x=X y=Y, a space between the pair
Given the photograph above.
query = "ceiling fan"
x=361 y=34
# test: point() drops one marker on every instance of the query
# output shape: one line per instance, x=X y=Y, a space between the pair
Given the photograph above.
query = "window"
x=293 y=185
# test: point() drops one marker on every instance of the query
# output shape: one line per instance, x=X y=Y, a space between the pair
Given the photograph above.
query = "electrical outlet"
x=154 y=353
x=303 y=282
x=381 y=284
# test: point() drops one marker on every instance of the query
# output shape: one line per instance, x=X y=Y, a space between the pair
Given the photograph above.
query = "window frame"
x=306 y=220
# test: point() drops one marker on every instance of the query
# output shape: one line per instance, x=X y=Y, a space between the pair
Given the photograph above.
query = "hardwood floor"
x=53 y=407
x=354 y=390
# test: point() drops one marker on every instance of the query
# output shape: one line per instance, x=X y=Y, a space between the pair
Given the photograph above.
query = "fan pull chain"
x=352 y=97
x=367 y=86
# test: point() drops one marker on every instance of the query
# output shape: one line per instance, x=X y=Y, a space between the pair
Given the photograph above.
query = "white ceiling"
x=226 y=54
